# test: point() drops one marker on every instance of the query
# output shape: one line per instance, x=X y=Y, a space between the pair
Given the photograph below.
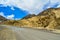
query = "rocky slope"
x=49 y=19
x=2 y=18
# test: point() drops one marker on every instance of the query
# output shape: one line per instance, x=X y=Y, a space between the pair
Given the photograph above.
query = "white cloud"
x=10 y=16
x=12 y=8
x=2 y=14
x=33 y=6
x=58 y=6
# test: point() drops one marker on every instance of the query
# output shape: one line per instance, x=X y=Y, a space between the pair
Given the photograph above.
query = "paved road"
x=32 y=34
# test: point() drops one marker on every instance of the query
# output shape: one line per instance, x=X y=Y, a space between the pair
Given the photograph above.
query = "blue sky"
x=12 y=13
x=17 y=9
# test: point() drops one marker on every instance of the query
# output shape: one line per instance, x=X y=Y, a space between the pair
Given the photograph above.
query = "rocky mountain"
x=29 y=16
x=2 y=18
x=49 y=19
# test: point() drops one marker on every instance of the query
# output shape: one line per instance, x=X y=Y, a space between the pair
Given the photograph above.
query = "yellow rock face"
x=57 y=13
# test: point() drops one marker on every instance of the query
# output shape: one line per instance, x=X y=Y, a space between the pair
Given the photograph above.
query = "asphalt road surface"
x=31 y=34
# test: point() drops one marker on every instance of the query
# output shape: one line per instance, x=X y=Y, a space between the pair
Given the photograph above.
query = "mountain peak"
x=29 y=16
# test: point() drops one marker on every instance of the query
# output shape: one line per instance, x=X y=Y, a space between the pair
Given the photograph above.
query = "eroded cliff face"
x=49 y=19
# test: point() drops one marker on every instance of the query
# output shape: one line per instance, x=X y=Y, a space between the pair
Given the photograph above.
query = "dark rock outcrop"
x=2 y=18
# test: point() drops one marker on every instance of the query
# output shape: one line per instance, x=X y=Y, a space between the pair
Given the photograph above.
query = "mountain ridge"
x=49 y=19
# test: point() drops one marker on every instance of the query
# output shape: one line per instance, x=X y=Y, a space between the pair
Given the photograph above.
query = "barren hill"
x=49 y=19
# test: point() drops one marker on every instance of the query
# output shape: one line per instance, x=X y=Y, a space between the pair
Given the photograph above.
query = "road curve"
x=32 y=34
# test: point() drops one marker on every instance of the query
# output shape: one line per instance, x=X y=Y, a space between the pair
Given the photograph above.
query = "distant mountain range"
x=49 y=19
